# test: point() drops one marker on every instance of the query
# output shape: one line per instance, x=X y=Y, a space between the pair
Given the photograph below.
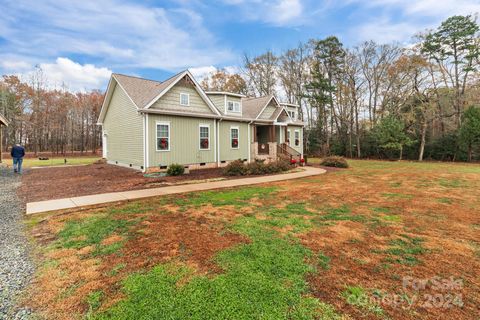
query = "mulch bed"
x=74 y=181
x=64 y=182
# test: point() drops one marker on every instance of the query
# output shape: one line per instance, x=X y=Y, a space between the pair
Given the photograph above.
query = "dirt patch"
x=64 y=182
x=73 y=274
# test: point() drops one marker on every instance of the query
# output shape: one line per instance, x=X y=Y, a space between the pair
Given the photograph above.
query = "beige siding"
x=124 y=127
x=227 y=153
x=170 y=101
x=292 y=129
x=184 y=141
x=269 y=110
x=218 y=100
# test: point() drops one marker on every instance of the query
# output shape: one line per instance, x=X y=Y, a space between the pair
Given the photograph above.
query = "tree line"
x=419 y=101
x=49 y=120
x=377 y=100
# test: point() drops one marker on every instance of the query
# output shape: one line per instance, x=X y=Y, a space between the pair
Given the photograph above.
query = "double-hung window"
x=184 y=99
x=233 y=106
x=163 y=137
x=204 y=137
x=234 y=137
x=297 y=137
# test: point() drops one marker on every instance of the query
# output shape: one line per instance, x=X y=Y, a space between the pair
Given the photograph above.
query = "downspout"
x=147 y=139
x=144 y=142
x=218 y=141
x=249 y=142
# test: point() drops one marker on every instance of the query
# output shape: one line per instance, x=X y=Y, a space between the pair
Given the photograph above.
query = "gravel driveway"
x=16 y=267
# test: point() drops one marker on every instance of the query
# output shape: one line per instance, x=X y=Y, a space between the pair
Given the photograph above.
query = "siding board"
x=184 y=141
x=124 y=127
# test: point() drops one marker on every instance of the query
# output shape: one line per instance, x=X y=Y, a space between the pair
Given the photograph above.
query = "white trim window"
x=292 y=115
x=234 y=137
x=163 y=136
x=289 y=136
x=184 y=99
x=233 y=106
x=204 y=135
x=297 y=138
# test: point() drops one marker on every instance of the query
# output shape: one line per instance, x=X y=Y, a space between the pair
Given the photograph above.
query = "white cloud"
x=431 y=8
x=73 y=76
x=116 y=33
x=400 y=20
x=384 y=31
x=274 y=12
x=12 y=64
x=201 y=73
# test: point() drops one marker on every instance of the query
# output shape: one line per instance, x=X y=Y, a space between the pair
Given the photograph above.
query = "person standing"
x=17 y=153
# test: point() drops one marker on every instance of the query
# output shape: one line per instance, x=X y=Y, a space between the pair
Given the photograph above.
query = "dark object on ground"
x=334 y=161
x=175 y=169
x=43 y=158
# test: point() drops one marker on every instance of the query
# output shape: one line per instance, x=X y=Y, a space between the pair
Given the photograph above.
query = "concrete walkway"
x=76 y=202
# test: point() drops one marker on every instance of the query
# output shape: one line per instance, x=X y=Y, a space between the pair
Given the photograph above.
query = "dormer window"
x=184 y=99
x=233 y=106
x=292 y=114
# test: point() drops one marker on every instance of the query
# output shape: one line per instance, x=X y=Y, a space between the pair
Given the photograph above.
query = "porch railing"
x=286 y=152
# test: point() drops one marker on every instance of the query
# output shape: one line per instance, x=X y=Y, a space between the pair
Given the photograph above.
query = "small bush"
x=175 y=169
x=256 y=168
x=334 y=161
x=235 y=168
x=238 y=168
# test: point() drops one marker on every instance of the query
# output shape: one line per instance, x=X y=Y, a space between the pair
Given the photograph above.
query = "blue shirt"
x=17 y=152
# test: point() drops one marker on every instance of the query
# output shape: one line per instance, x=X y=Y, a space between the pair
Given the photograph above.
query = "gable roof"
x=144 y=93
x=3 y=121
x=253 y=107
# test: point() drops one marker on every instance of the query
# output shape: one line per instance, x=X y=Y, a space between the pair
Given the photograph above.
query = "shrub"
x=175 y=169
x=334 y=161
x=235 y=168
x=238 y=168
x=257 y=167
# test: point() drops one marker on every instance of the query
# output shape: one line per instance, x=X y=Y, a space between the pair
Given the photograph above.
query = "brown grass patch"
x=59 y=290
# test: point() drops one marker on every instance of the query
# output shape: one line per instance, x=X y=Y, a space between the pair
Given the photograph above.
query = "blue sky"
x=80 y=43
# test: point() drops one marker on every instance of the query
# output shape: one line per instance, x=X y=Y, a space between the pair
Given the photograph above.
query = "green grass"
x=359 y=297
x=34 y=162
x=342 y=213
x=94 y=300
x=445 y=200
x=452 y=183
x=397 y=195
x=92 y=231
x=405 y=250
x=323 y=261
x=262 y=279
x=237 y=197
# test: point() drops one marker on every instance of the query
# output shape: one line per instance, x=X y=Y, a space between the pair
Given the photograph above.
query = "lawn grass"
x=327 y=247
x=35 y=162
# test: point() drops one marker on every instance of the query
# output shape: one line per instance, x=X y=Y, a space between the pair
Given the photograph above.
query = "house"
x=3 y=122
x=149 y=125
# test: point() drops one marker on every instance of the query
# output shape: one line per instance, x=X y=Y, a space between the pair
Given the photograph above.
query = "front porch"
x=270 y=143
